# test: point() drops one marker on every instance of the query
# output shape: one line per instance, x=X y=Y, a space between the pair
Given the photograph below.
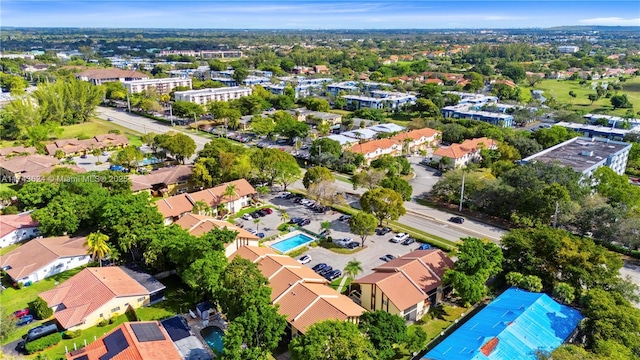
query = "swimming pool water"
x=148 y=161
x=291 y=243
x=213 y=336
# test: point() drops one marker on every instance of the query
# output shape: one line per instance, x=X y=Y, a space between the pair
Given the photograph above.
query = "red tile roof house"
x=198 y=225
x=420 y=139
x=6 y=153
x=406 y=286
x=30 y=168
x=101 y=76
x=174 y=207
x=374 y=149
x=144 y=340
x=164 y=182
x=468 y=151
x=76 y=147
x=303 y=296
x=17 y=228
x=95 y=294
x=44 y=257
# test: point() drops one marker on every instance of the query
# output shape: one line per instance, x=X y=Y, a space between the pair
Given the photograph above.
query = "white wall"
x=56 y=267
x=18 y=235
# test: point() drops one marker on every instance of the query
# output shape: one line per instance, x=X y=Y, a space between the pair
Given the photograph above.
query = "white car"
x=305 y=202
x=305 y=259
x=284 y=194
x=246 y=217
x=399 y=237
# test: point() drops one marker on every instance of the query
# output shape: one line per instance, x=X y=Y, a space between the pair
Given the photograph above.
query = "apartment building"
x=161 y=86
x=205 y=96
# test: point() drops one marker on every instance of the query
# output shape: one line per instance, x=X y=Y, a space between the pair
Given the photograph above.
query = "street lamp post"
x=171 y=113
x=462 y=191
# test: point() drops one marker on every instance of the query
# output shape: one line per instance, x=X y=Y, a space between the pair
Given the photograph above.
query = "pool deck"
x=288 y=236
x=197 y=324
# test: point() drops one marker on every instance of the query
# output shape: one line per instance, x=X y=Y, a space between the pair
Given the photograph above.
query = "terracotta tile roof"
x=455 y=151
x=407 y=279
x=434 y=81
x=156 y=349
x=38 y=253
x=89 y=290
x=483 y=142
x=10 y=223
x=111 y=74
x=416 y=134
x=167 y=176
x=30 y=163
x=70 y=146
x=197 y=225
x=372 y=146
x=17 y=150
x=303 y=296
x=180 y=204
x=509 y=83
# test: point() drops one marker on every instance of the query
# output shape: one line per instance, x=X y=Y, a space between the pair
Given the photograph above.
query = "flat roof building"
x=585 y=155
x=162 y=86
x=205 y=96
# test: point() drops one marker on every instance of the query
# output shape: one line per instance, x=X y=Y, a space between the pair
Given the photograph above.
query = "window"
x=101 y=315
x=384 y=302
x=141 y=299
x=115 y=309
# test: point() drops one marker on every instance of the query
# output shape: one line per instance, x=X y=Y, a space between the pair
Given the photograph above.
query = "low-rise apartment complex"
x=101 y=76
x=206 y=96
x=161 y=86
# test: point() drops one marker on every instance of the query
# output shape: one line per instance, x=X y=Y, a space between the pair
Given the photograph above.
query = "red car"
x=20 y=313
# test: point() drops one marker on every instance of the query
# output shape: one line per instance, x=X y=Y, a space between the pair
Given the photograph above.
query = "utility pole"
x=128 y=103
x=171 y=113
x=196 y=120
x=462 y=191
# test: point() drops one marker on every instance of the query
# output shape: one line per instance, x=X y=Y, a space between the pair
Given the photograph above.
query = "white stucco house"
x=16 y=228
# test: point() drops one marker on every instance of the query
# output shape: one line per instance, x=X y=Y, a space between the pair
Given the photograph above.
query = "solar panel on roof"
x=115 y=343
x=83 y=357
x=176 y=328
x=147 y=332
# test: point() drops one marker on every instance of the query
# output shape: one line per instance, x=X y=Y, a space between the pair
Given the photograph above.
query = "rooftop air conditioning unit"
x=587 y=153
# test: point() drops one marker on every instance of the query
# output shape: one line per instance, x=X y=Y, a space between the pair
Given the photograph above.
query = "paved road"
x=418 y=216
x=144 y=125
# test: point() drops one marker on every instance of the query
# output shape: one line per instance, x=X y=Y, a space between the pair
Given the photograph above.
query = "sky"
x=314 y=14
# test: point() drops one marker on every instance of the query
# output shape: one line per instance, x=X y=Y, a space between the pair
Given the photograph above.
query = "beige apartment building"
x=206 y=96
x=162 y=86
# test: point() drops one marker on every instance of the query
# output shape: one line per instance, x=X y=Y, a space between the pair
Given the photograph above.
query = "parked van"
x=40 y=331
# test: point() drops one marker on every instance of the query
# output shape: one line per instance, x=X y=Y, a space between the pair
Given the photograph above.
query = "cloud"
x=611 y=21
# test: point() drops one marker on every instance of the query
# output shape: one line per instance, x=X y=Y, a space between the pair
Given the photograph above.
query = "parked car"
x=255 y=215
x=325 y=271
x=305 y=259
x=323 y=233
x=344 y=218
x=424 y=247
x=268 y=210
x=27 y=319
x=252 y=231
x=319 y=267
x=409 y=241
x=333 y=275
x=247 y=217
x=399 y=237
x=20 y=313
x=387 y=257
x=261 y=235
x=262 y=212
x=352 y=245
x=305 y=222
x=295 y=221
x=104 y=153
x=383 y=231
x=83 y=156
x=284 y=195
x=457 y=219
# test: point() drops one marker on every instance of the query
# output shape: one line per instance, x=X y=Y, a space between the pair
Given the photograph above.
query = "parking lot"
x=375 y=246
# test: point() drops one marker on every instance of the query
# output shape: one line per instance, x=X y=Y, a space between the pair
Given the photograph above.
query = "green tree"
x=316 y=175
x=514 y=71
x=7 y=326
x=98 y=246
x=384 y=330
x=399 y=185
x=180 y=145
x=592 y=98
x=477 y=262
x=200 y=174
x=353 y=268
x=59 y=216
x=325 y=146
x=531 y=283
x=332 y=339
x=564 y=292
x=368 y=178
x=230 y=192
x=130 y=156
x=325 y=226
x=384 y=204
x=363 y=224
x=572 y=95
x=416 y=339
x=263 y=125
x=289 y=127
x=240 y=74
x=621 y=102
x=255 y=334
x=39 y=309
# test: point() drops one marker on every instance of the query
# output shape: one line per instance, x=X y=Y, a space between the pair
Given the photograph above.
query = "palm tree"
x=406 y=145
x=257 y=222
x=98 y=246
x=96 y=152
x=353 y=268
x=230 y=191
x=326 y=226
x=201 y=208
x=284 y=216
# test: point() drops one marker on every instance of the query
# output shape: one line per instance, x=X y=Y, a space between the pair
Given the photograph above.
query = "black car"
x=456 y=219
x=383 y=231
x=304 y=222
x=344 y=218
x=262 y=212
x=319 y=267
x=255 y=215
x=333 y=275
x=352 y=245
x=325 y=271
x=290 y=196
x=295 y=221
x=409 y=241
x=387 y=257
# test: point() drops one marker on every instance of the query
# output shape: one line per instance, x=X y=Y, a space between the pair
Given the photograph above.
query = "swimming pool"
x=291 y=243
x=148 y=161
x=213 y=336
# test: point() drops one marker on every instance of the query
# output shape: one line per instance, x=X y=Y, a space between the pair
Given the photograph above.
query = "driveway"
x=11 y=349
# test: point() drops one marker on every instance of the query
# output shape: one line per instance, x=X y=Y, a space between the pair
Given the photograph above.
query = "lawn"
x=13 y=299
x=248 y=211
x=335 y=283
x=6 y=186
x=338 y=249
x=9 y=248
x=560 y=89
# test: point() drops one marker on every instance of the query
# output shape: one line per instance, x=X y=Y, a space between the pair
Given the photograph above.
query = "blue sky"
x=327 y=14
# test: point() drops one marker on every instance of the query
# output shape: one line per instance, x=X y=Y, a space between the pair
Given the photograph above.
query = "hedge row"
x=43 y=343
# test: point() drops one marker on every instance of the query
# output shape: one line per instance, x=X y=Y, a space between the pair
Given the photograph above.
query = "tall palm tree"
x=326 y=226
x=201 y=208
x=230 y=191
x=353 y=268
x=257 y=222
x=284 y=216
x=98 y=246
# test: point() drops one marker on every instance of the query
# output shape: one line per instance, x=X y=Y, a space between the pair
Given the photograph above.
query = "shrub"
x=72 y=334
x=11 y=209
x=114 y=131
x=42 y=343
x=39 y=308
x=19 y=285
x=103 y=323
x=113 y=318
